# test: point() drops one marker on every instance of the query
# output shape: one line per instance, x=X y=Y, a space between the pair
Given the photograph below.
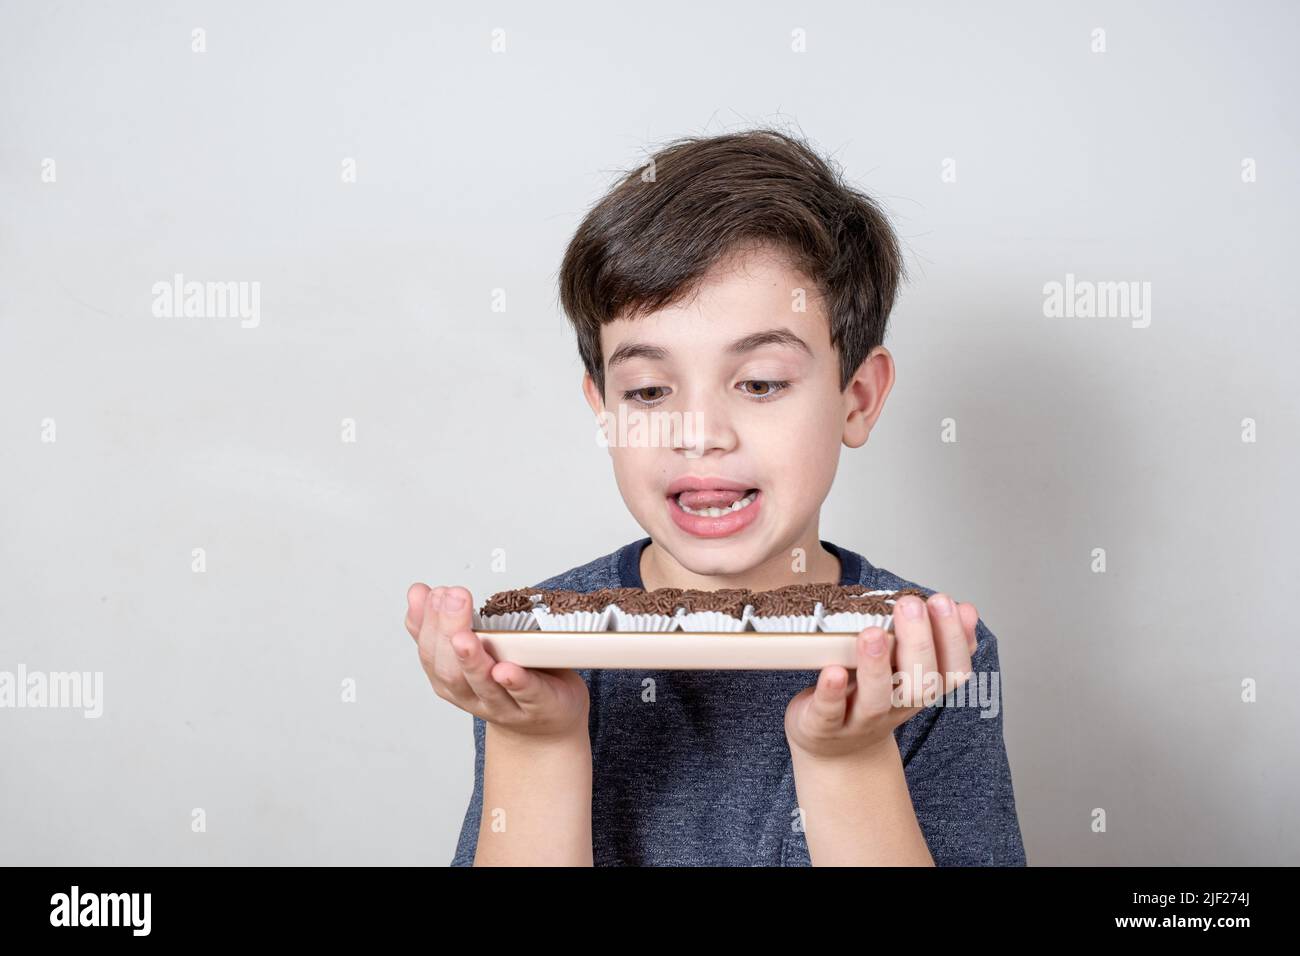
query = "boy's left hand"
x=837 y=717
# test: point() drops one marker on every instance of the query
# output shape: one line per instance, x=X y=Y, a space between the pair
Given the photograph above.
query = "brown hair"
x=650 y=240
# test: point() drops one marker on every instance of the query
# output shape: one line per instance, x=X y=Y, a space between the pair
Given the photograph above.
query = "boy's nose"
x=705 y=428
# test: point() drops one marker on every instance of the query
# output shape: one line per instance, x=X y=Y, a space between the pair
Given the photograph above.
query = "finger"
x=439 y=658
x=428 y=608
x=829 y=703
x=432 y=606
x=915 y=649
x=530 y=688
x=952 y=652
x=970 y=623
x=417 y=595
x=454 y=619
x=477 y=665
x=873 y=695
x=433 y=599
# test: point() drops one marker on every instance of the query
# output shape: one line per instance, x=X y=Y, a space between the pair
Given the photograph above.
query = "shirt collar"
x=852 y=564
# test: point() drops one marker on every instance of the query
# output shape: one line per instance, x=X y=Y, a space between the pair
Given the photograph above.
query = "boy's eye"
x=638 y=395
x=766 y=389
x=762 y=391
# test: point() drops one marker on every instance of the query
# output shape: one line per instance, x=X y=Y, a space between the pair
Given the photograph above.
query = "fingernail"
x=942 y=605
x=912 y=606
x=454 y=602
x=875 y=645
x=435 y=600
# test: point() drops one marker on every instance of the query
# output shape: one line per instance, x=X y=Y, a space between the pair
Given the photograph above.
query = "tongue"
x=711 y=498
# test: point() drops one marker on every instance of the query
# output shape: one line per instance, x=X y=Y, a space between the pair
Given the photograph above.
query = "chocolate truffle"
x=725 y=600
x=509 y=602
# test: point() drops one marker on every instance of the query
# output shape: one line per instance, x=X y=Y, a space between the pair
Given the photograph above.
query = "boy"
x=740 y=282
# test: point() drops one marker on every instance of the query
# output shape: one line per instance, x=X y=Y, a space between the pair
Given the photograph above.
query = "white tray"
x=672 y=650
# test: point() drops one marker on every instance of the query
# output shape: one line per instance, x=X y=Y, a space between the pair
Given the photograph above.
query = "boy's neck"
x=660 y=570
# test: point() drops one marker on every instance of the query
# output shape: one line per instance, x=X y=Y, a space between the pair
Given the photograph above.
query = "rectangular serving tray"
x=672 y=650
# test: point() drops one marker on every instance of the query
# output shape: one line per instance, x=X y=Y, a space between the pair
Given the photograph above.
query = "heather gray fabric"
x=700 y=774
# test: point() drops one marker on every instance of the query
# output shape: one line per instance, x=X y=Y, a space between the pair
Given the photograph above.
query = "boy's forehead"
x=742 y=294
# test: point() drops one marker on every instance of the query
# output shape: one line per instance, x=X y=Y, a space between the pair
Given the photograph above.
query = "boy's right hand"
x=529 y=702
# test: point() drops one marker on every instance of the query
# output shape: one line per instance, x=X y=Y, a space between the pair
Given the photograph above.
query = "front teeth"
x=744 y=502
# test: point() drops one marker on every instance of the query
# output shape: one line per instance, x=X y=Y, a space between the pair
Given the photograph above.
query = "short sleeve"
x=467 y=845
x=958 y=773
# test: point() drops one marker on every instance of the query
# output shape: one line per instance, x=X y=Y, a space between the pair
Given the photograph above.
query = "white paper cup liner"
x=621 y=620
x=712 y=621
x=852 y=622
x=513 y=621
x=571 y=621
x=788 y=623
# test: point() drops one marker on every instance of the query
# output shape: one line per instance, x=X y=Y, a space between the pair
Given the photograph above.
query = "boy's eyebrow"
x=779 y=336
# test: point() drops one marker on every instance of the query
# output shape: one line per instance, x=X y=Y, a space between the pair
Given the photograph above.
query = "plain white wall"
x=222 y=689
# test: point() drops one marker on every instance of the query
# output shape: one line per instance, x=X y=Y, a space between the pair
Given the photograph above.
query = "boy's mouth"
x=714 y=512
x=714 y=502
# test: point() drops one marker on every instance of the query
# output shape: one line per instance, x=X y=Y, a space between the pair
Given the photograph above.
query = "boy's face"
x=766 y=415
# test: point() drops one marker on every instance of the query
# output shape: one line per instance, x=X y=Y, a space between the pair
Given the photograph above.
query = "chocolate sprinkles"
x=790 y=600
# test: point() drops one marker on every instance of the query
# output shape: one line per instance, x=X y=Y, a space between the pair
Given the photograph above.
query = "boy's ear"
x=864 y=397
x=594 y=398
x=597 y=403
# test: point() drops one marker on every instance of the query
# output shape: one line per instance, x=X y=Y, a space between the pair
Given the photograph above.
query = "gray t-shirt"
x=699 y=772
